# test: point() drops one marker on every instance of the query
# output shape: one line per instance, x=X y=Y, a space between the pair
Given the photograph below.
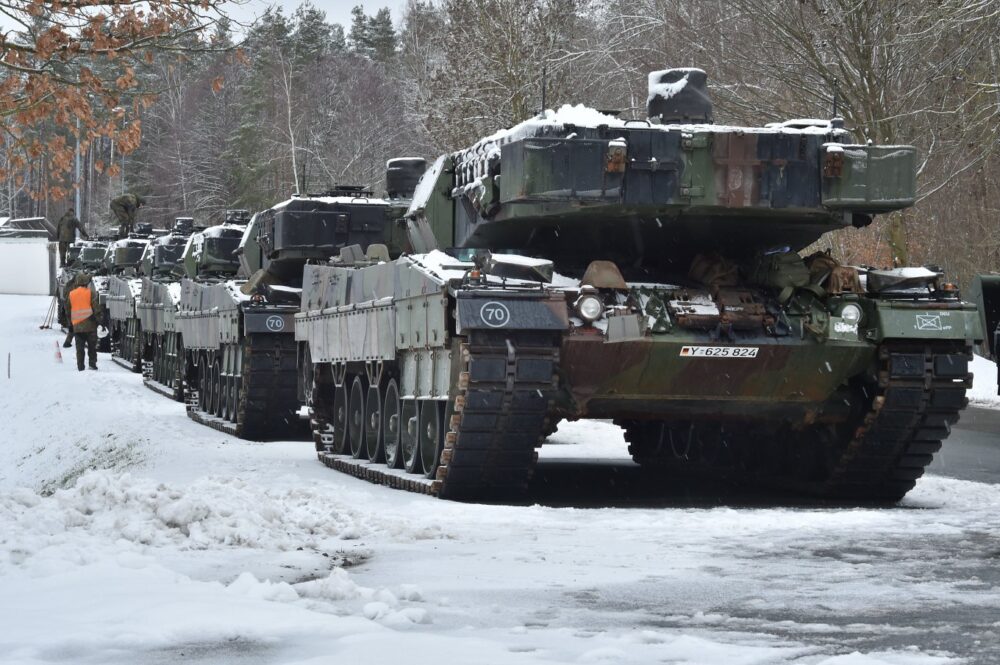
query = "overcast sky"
x=337 y=11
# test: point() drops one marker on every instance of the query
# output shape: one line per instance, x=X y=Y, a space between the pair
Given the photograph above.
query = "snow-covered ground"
x=984 y=388
x=131 y=534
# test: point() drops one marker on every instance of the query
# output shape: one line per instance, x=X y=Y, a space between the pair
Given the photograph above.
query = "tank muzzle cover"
x=679 y=96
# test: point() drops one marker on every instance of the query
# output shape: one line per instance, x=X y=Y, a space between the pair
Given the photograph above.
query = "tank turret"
x=183 y=225
x=575 y=185
x=161 y=255
x=211 y=254
x=123 y=256
x=281 y=239
x=402 y=175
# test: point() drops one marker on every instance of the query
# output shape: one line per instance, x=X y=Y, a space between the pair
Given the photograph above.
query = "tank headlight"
x=851 y=314
x=590 y=308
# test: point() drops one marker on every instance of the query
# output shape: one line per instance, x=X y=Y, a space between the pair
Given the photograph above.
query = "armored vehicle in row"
x=82 y=256
x=123 y=263
x=580 y=265
x=206 y=256
x=118 y=285
x=241 y=364
x=157 y=263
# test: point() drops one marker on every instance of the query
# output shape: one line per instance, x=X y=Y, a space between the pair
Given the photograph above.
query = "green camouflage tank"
x=581 y=265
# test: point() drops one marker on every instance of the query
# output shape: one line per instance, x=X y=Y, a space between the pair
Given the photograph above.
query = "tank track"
x=128 y=351
x=162 y=363
x=920 y=394
x=267 y=401
x=505 y=386
x=878 y=455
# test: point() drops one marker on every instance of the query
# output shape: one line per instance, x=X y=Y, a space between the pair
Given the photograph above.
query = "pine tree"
x=382 y=35
x=360 y=35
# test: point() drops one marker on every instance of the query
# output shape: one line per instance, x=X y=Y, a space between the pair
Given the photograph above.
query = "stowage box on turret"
x=583 y=266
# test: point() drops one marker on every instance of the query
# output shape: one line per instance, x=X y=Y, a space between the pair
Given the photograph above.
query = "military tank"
x=118 y=286
x=582 y=265
x=241 y=364
x=204 y=255
x=134 y=346
x=82 y=256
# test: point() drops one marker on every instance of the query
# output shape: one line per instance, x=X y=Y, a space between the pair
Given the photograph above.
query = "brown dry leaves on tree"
x=68 y=72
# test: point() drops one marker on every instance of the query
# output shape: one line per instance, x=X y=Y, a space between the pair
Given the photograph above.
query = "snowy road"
x=186 y=545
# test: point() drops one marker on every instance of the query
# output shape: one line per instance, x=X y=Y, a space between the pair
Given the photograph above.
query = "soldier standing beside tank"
x=66 y=230
x=124 y=208
x=70 y=285
x=85 y=312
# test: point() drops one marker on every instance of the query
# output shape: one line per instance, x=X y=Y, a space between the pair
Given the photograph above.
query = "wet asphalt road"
x=972 y=452
x=967 y=562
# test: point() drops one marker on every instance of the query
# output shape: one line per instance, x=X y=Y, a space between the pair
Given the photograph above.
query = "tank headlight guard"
x=589 y=307
x=851 y=313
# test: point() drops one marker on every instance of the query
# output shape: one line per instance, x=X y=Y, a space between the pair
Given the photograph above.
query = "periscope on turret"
x=581 y=265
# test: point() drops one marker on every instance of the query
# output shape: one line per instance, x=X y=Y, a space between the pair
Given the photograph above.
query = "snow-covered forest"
x=297 y=99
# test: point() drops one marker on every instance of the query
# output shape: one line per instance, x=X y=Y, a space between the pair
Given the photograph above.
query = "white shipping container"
x=28 y=266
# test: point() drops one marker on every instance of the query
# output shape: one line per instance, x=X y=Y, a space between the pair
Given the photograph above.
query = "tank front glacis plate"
x=684 y=374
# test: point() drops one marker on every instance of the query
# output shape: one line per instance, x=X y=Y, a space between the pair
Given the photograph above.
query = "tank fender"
x=486 y=311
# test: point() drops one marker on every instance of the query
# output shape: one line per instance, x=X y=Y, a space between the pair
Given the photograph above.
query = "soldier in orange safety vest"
x=84 y=313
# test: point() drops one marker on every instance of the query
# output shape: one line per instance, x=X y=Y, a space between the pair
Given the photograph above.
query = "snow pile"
x=210 y=512
x=984 y=387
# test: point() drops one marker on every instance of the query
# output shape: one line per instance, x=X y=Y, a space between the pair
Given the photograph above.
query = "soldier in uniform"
x=85 y=312
x=70 y=285
x=66 y=229
x=124 y=208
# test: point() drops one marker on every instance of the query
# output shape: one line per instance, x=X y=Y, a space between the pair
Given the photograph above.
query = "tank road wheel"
x=224 y=400
x=136 y=358
x=373 y=425
x=175 y=365
x=408 y=440
x=237 y=390
x=339 y=421
x=157 y=361
x=356 y=418
x=391 y=426
x=216 y=389
x=203 y=384
x=431 y=436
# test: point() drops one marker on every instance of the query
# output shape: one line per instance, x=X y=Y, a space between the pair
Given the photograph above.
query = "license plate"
x=719 y=351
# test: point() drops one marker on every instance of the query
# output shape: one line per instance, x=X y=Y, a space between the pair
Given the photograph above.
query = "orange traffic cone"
x=58 y=353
